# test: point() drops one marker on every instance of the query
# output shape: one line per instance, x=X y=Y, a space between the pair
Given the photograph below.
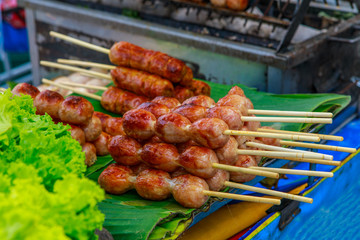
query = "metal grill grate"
x=286 y=15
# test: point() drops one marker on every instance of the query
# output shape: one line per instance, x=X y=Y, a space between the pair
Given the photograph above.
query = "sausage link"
x=142 y=83
x=129 y=55
x=119 y=101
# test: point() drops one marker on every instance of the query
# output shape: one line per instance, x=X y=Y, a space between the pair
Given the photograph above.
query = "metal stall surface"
x=322 y=63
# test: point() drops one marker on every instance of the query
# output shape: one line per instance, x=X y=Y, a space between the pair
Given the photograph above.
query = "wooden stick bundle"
x=269 y=192
x=242 y=197
x=296 y=172
x=319 y=146
x=321 y=136
x=281 y=149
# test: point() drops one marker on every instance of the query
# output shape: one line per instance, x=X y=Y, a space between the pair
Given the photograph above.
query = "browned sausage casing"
x=162 y=156
x=153 y=184
x=209 y=132
x=243 y=161
x=237 y=4
x=157 y=109
x=116 y=179
x=93 y=129
x=142 y=83
x=26 y=89
x=114 y=126
x=139 y=124
x=236 y=91
x=103 y=117
x=76 y=110
x=201 y=100
x=200 y=88
x=101 y=144
x=48 y=102
x=188 y=191
x=90 y=153
x=230 y=115
x=77 y=134
x=183 y=93
x=167 y=101
x=172 y=128
x=198 y=161
x=119 y=101
x=192 y=112
x=217 y=182
x=129 y=55
x=125 y=150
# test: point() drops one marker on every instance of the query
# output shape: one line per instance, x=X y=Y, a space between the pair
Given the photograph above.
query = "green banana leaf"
x=130 y=217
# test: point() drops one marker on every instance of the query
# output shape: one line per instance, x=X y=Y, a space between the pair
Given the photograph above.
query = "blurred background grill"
x=279 y=46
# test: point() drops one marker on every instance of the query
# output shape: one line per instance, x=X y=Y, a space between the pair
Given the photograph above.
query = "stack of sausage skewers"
x=150 y=129
x=128 y=151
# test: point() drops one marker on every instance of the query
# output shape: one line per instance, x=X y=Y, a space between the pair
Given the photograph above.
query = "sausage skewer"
x=321 y=136
x=138 y=82
x=274 y=148
x=319 y=146
x=190 y=191
x=113 y=99
x=129 y=55
x=197 y=87
x=199 y=161
x=156 y=185
x=322 y=117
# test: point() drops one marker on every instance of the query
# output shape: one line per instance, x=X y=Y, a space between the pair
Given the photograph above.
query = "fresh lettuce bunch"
x=43 y=192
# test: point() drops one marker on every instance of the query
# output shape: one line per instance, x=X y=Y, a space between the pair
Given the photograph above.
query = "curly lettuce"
x=43 y=192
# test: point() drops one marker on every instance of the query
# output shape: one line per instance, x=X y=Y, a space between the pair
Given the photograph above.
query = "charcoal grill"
x=325 y=62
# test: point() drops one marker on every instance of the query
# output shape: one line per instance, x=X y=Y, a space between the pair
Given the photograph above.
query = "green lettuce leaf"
x=44 y=193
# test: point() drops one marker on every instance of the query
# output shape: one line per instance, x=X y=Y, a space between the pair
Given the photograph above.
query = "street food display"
x=173 y=139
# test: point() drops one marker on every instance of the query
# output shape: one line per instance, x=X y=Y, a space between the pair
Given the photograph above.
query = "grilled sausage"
x=48 y=102
x=129 y=55
x=26 y=89
x=142 y=83
x=119 y=101
x=76 y=110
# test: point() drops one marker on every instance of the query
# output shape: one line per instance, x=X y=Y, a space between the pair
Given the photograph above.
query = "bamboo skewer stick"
x=75 y=69
x=269 y=192
x=291 y=113
x=296 y=172
x=86 y=64
x=79 y=42
x=250 y=111
x=274 y=148
x=276 y=154
x=242 y=197
x=245 y=170
x=311 y=160
x=286 y=119
x=84 y=86
x=272 y=135
x=319 y=146
x=90 y=95
x=321 y=136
